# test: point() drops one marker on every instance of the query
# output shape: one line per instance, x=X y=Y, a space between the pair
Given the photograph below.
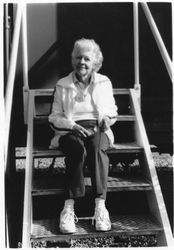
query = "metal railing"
x=136 y=46
x=159 y=40
x=3 y=240
x=137 y=85
x=166 y=58
x=11 y=77
x=20 y=19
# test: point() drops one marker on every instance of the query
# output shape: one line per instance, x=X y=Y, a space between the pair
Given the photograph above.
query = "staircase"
x=134 y=197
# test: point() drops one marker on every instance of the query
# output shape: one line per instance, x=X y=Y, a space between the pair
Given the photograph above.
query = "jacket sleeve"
x=109 y=104
x=57 y=116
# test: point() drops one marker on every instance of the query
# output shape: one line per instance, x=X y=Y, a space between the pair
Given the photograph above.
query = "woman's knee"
x=72 y=145
x=99 y=142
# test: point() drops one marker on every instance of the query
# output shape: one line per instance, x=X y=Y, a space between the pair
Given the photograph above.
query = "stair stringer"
x=27 y=212
x=155 y=197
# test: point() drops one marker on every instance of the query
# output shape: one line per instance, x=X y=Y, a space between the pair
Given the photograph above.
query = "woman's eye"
x=86 y=59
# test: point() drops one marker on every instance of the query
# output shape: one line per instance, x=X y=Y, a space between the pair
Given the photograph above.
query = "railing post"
x=27 y=214
x=25 y=60
x=7 y=38
x=137 y=86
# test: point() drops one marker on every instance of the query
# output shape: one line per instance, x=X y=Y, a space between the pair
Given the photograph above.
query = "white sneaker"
x=102 y=220
x=67 y=221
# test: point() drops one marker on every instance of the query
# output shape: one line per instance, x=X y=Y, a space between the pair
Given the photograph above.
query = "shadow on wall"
x=109 y=24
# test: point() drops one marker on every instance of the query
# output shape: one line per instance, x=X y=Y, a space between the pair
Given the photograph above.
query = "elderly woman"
x=84 y=107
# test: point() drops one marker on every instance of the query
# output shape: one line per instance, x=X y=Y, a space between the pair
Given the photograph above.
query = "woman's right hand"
x=80 y=131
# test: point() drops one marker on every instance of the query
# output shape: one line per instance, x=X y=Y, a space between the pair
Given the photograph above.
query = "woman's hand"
x=105 y=124
x=80 y=131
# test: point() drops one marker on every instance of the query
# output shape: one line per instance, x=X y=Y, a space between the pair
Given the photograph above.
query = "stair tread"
x=121 y=91
x=49 y=92
x=126 y=147
x=129 y=147
x=141 y=224
x=117 y=147
x=126 y=118
x=53 y=184
x=44 y=118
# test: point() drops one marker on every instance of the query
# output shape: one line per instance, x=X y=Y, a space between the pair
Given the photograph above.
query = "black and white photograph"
x=86 y=124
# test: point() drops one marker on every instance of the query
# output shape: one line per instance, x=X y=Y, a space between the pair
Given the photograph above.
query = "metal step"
x=44 y=99
x=141 y=224
x=45 y=184
x=42 y=152
x=42 y=119
x=39 y=152
x=130 y=147
x=126 y=118
x=125 y=147
x=121 y=91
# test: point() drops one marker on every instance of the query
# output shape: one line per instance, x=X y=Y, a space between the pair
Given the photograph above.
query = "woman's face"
x=83 y=62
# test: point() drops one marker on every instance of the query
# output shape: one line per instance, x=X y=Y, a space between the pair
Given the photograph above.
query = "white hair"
x=91 y=44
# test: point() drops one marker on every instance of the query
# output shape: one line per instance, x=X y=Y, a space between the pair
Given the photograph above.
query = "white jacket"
x=64 y=97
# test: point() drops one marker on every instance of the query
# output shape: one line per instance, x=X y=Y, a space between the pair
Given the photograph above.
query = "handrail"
x=136 y=46
x=7 y=37
x=11 y=77
x=166 y=58
x=3 y=242
x=25 y=47
x=159 y=40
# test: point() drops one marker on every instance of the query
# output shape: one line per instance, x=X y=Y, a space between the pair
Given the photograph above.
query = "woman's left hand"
x=105 y=124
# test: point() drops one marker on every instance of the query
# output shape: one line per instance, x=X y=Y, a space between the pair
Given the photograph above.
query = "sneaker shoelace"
x=68 y=217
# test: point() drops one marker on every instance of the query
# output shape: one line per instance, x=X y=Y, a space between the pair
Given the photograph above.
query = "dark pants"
x=90 y=151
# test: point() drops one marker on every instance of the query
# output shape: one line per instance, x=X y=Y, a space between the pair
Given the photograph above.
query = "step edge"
x=109 y=190
x=138 y=187
x=157 y=228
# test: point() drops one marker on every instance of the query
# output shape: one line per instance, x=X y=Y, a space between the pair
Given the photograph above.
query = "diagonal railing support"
x=25 y=61
x=4 y=230
x=166 y=58
x=159 y=41
x=11 y=77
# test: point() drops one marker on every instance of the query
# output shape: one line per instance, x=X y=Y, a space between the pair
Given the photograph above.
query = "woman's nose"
x=82 y=60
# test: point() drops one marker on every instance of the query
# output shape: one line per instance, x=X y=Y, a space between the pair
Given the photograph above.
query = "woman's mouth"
x=81 y=67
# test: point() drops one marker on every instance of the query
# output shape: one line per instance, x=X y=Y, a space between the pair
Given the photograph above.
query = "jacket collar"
x=71 y=79
x=67 y=82
x=75 y=80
